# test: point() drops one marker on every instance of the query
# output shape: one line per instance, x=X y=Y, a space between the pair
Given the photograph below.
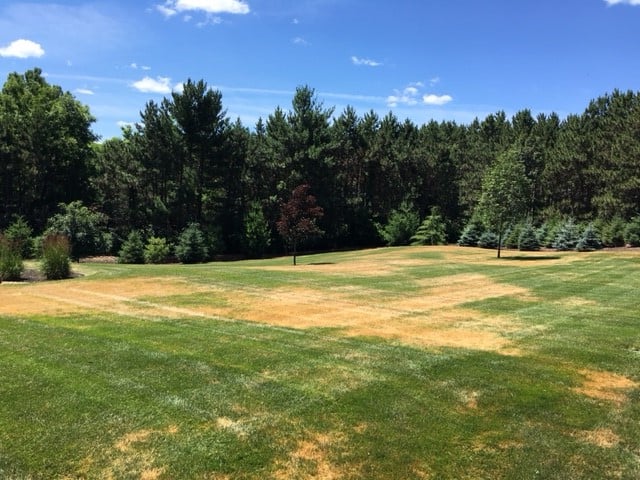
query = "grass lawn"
x=398 y=363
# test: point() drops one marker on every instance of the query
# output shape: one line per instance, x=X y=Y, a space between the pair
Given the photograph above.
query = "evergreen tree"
x=528 y=238
x=471 y=234
x=432 y=230
x=132 y=250
x=590 y=240
x=568 y=236
x=191 y=247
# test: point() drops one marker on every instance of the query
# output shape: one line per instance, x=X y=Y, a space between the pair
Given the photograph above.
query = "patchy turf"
x=391 y=363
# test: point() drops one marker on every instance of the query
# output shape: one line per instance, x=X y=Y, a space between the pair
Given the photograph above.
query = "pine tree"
x=590 y=240
x=567 y=236
x=528 y=239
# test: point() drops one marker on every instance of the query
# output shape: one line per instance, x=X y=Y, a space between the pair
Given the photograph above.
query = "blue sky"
x=441 y=59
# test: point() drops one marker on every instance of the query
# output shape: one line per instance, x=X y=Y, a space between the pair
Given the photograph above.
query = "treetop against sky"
x=422 y=60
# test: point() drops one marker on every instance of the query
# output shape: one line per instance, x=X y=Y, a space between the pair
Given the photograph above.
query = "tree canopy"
x=186 y=162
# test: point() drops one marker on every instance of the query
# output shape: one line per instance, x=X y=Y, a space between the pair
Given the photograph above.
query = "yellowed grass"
x=606 y=386
x=432 y=317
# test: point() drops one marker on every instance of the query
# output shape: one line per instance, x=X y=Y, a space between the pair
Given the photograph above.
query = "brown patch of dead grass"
x=602 y=437
x=433 y=317
x=311 y=459
x=606 y=386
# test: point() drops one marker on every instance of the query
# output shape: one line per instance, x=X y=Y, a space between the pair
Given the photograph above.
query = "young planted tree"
x=298 y=217
x=505 y=190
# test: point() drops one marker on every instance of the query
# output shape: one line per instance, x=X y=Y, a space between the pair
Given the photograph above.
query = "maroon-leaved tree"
x=298 y=217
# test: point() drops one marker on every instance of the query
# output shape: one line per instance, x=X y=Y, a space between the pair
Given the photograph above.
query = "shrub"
x=19 y=233
x=488 y=240
x=191 y=247
x=567 y=236
x=528 y=239
x=257 y=234
x=471 y=234
x=84 y=228
x=11 y=265
x=432 y=231
x=512 y=236
x=547 y=232
x=132 y=250
x=401 y=225
x=55 y=257
x=612 y=232
x=632 y=233
x=590 y=240
x=157 y=250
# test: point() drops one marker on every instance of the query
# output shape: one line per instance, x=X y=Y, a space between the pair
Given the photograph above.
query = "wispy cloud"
x=300 y=41
x=22 y=49
x=84 y=91
x=160 y=85
x=623 y=2
x=410 y=95
x=434 y=81
x=365 y=62
x=172 y=7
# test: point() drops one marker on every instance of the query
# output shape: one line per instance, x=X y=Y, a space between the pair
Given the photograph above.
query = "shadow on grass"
x=321 y=263
x=524 y=258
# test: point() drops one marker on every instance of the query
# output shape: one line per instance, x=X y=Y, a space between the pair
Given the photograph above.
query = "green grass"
x=99 y=394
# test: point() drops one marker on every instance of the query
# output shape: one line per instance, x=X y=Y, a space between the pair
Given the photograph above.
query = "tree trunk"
x=294 y=252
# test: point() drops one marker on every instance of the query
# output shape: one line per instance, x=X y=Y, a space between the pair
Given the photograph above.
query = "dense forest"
x=185 y=162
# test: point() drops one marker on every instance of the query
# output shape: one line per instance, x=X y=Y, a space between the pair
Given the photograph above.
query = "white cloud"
x=434 y=81
x=84 y=91
x=411 y=96
x=365 y=61
x=171 y=7
x=166 y=11
x=135 y=66
x=300 y=41
x=22 y=49
x=622 y=2
x=122 y=124
x=432 y=99
x=153 y=85
x=408 y=96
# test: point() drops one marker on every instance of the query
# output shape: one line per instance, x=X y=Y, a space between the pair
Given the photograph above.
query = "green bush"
x=19 y=233
x=132 y=250
x=11 y=265
x=612 y=232
x=257 y=234
x=488 y=240
x=55 y=257
x=567 y=236
x=191 y=247
x=528 y=239
x=401 y=225
x=471 y=234
x=632 y=233
x=590 y=240
x=432 y=231
x=156 y=250
x=84 y=228
x=512 y=236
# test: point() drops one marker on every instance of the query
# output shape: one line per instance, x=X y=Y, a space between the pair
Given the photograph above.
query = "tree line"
x=185 y=162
